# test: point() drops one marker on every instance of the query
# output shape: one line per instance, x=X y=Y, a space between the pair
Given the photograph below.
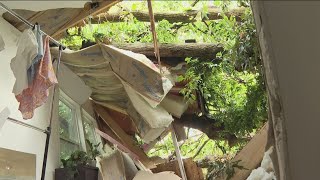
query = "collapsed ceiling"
x=54 y=17
x=126 y=82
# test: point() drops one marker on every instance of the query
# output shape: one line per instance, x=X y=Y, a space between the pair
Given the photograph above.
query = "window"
x=71 y=138
x=69 y=133
x=89 y=130
x=76 y=125
x=89 y=125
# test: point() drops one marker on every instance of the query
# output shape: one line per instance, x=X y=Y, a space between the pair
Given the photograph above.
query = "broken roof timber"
x=56 y=21
x=126 y=139
x=86 y=11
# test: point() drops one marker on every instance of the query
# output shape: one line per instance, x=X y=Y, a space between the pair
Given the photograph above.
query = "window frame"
x=87 y=117
x=77 y=117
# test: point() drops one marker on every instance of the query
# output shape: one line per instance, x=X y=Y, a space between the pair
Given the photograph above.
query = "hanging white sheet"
x=26 y=52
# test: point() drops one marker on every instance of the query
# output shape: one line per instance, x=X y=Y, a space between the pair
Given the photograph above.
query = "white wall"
x=294 y=37
x=16 y=137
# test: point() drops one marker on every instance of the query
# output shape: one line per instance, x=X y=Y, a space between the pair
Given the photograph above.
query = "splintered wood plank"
x=16 y=22
x=56 y=21
x=106 y=129
x=49 y=20
x=251 y=155
x=125 y=139
x=192 y=170
x=86 y=11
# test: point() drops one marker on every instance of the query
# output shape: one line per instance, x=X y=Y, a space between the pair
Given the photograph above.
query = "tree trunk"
x=184 y=17
x=207 y=126
x=201 y=50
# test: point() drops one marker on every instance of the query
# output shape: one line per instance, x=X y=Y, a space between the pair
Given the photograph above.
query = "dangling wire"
x=154 y=34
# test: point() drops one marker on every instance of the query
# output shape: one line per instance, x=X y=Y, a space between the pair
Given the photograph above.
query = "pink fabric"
x=37 y=93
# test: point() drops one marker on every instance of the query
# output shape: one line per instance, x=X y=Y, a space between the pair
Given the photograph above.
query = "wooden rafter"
x=125 y=139
x=86 y=11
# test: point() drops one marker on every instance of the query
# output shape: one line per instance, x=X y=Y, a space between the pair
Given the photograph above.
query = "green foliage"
x=73 y=161
x=190 y=147
x=223 y=166
x=233 y=87
x=93 y=151
x=78 y=158
x=65 y=113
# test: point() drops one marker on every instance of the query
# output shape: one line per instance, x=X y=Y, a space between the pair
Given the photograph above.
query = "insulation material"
x=139 y=72
x=88 y=57
x=117 y=165
x=130 y=168
x=266 y=171
x=144 y=175
x=1 y=43
x=153 y=121
x=112 y=166
x=261 y=174
x=175 y=105
x=156 y=117
x=266 y=162
x=90 y=65
x=72 y=85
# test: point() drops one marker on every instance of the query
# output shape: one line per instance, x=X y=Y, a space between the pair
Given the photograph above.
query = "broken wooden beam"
x=125 y=139
x=192 y=170
x=213 y=13
x=250 y=156
x=90 y=9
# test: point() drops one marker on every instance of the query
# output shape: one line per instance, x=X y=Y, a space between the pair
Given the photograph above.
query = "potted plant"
x=79 y=165
x=93 y=152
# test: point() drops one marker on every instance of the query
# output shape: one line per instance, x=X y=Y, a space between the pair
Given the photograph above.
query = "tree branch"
x=200 y=149
x=185 y=17
x=209 y=127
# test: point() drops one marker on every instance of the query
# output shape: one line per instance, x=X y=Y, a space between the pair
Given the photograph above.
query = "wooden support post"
x=180 y=161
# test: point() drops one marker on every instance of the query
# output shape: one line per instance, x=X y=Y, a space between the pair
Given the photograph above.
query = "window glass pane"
x=68 y=124
x=67 y=148
x=69 y=131
x=89 y=131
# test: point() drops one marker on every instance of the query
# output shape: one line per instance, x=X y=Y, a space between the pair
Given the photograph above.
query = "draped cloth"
x=26 y=52
x=37 y=93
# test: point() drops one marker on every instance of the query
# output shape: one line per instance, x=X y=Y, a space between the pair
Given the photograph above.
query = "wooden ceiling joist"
x=56 y=21
x=86 y=11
